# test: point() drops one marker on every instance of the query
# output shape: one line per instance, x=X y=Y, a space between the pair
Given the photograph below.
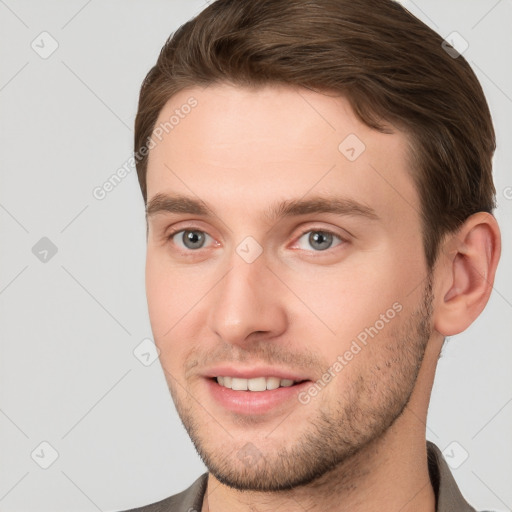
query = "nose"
x=249 y=302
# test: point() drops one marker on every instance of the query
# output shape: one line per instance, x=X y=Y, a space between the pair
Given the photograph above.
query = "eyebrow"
x=164 y=203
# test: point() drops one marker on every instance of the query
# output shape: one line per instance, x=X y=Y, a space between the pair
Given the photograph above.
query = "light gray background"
x=69 y=326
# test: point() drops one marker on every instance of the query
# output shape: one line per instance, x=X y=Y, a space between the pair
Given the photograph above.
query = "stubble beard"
x=337 y=434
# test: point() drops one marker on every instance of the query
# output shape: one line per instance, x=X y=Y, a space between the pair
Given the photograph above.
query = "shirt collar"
x=448 y=495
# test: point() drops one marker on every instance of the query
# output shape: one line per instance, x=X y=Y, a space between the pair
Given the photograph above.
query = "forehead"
x=243 y=147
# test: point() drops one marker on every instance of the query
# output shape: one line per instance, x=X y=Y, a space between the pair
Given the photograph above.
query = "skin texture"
x=359 y=444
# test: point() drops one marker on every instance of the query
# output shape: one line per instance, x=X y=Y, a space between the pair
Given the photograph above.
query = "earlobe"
x=467 y=273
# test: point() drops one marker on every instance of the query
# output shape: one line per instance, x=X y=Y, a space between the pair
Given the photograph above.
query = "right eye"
x=189 y=239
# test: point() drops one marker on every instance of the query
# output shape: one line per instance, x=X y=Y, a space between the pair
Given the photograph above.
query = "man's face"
x=335 y=298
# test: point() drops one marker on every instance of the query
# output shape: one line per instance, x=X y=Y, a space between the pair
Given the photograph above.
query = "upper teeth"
x=256 y=384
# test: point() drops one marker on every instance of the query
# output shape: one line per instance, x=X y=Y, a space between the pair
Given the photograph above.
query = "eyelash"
x=310 y=230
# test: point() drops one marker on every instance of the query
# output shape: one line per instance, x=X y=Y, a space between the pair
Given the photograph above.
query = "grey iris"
x=324 y=240
x=193 y=239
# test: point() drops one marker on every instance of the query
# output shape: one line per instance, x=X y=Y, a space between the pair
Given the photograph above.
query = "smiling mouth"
x=256 y=384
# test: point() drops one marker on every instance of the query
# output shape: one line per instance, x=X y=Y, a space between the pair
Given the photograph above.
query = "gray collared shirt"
x=448 y=495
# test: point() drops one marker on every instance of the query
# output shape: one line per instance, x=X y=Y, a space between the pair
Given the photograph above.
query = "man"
x=317 y=177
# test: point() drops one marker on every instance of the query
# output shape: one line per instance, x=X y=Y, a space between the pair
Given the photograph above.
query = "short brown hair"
x=392 y=68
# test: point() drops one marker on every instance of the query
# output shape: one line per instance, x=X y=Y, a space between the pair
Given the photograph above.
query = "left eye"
x=189 y=238
x=319 y=240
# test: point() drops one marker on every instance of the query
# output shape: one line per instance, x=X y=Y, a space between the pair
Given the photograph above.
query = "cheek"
x=174 y=304
x=159 y=293
x=349 y=298
x=170 y=294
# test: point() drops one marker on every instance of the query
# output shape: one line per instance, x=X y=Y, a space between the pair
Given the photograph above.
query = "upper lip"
x=252 y=372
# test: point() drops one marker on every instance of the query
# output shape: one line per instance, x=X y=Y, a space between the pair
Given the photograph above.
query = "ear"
x=465 y=273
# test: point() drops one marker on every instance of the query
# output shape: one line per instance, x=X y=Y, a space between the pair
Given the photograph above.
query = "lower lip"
x=254 y=402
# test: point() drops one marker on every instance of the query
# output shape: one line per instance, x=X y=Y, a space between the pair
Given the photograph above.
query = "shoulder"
x=189 y=500
x=448 y=495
